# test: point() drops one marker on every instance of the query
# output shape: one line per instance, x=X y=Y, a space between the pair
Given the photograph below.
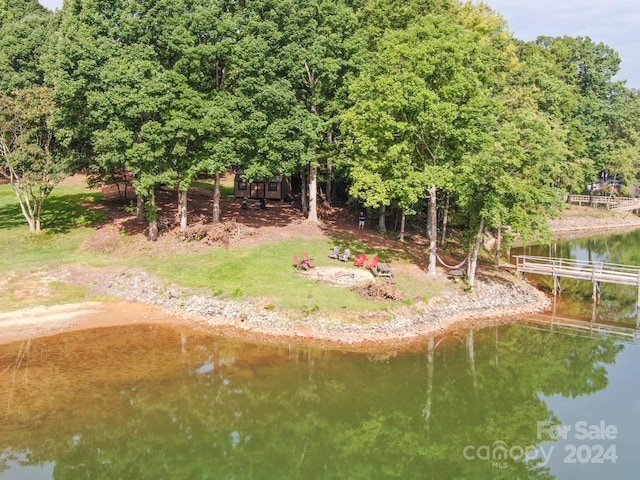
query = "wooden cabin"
x=277 y=188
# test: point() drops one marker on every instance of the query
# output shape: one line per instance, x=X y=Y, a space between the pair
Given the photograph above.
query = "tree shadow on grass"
x=60 y=214
x=11 y=217
x=372 y=243
x=341 y=227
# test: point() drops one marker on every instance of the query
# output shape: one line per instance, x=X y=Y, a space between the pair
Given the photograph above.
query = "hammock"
x=450 y=267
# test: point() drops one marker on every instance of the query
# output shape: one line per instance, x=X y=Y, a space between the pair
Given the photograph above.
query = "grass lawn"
x=267 y=272
x=67 y=221
x=225 y=190
x=264 y=271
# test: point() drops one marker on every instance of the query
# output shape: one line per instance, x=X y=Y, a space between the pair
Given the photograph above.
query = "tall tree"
x=140 y=86
x=15 y=10
x=28 y=157
x=22 y=47
x=597 y=116
x=212 y=70
x=306 y=51
x=419 y=103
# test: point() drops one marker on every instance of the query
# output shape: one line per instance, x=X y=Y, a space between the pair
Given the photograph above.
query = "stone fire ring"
x=339 y=276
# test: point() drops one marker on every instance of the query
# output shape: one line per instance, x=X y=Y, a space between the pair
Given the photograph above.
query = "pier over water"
x=596 y=272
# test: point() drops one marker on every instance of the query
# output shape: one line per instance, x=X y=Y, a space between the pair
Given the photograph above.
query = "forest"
x=429 y=108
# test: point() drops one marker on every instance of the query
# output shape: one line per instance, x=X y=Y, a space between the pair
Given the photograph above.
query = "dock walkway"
x=624 y=204
x=596 y=272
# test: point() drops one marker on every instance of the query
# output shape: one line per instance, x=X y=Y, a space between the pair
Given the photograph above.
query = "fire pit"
x=339 y=276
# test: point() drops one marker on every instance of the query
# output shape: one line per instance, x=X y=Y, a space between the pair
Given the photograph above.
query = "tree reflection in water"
x=155 y=402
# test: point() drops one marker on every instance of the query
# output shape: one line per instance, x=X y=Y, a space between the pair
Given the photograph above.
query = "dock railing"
x=579 y=269
x=612 y=203
x=595 y=272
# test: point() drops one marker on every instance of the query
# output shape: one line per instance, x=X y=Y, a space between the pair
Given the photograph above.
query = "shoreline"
x=139 y=298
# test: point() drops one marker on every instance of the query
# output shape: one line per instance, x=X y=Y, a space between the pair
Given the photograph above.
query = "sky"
x=612 y=22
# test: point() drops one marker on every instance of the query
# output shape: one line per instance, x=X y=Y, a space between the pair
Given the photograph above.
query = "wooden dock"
x=627 y=204
x=596 y=272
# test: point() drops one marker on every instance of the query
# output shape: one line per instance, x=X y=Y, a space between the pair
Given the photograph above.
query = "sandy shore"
x=45 y=321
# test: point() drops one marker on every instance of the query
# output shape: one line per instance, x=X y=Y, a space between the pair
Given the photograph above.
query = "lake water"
x=524 y=401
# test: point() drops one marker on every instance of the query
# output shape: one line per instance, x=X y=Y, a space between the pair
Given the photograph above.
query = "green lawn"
x=266 y=272
x=67 y=220
x=225 y=190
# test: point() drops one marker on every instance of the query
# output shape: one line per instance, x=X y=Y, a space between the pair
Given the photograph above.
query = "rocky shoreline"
x=585 y=220
x=492 y=299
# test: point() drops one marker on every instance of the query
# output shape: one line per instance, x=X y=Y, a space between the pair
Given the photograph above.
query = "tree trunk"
x=427 y=229
x=182 y=210
x=216 y=199
x=403 y=219
x=23 y=199
x=27 y=210
x=313 y=194
x=139 y=207
x=499 y=244
x=153 y=214
x=473 y=255
x=329 y=188
x=433 y=231
x=382 y=221
x=303 y=193
x=445 y=218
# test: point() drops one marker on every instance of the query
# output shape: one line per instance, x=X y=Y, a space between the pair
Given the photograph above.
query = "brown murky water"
x=156 y=401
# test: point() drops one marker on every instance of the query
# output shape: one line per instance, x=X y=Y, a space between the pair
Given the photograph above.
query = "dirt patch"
x=242 y=227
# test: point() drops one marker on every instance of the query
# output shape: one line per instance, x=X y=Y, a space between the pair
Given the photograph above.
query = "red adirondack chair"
x=298 y=264
x=307 y=261
x=360 y=260
x=374 y=264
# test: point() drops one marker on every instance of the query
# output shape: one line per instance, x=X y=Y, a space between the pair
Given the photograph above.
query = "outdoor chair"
x=360 y=260
x=336 y=253
x=298 y=264
x=346 y=256
x=307 y=261
x=373 y=265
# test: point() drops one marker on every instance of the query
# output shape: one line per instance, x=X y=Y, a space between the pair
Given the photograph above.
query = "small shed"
x=276 y=188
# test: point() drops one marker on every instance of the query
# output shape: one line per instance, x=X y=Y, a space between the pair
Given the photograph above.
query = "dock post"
x=638 y=302
x=596 y=292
